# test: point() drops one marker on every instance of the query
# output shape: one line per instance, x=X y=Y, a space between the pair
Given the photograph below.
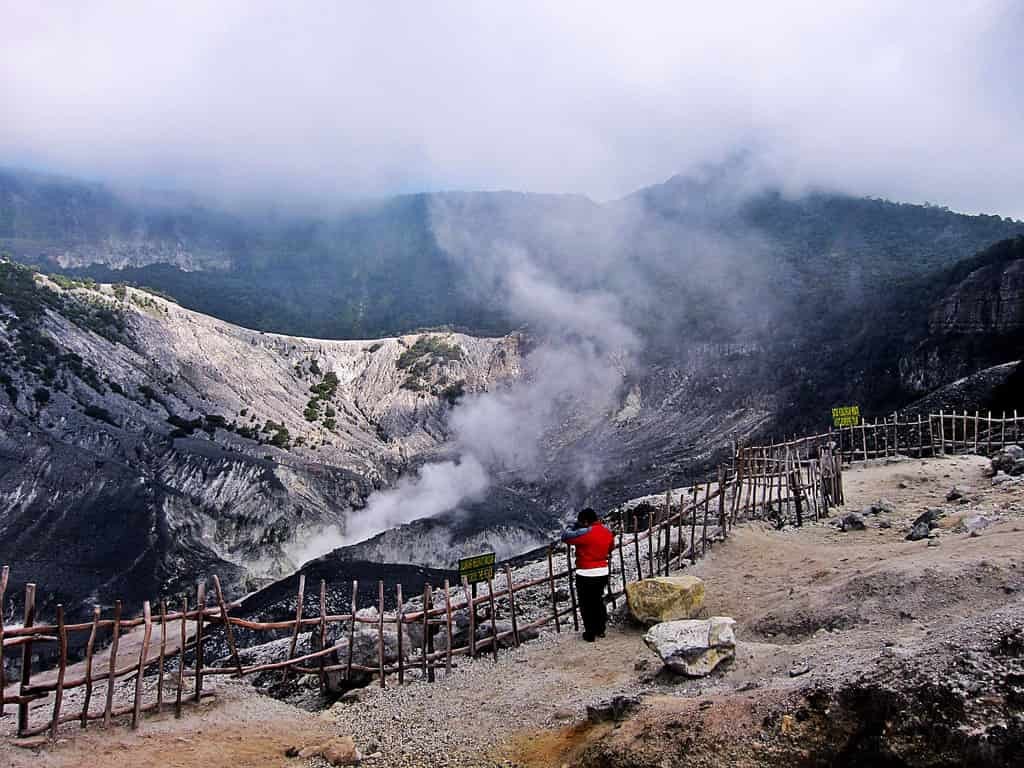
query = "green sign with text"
x=846 y=416
x=477 y=568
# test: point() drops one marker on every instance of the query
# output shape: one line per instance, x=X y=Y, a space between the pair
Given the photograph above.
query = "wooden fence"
x=788 y=482
x=173 y=642
x=936 y=434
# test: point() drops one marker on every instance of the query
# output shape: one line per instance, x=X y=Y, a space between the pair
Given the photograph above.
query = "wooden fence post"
x=794 y=489
x=162 y=658
x=650 y=541
x=323 y=633
x=472 y=613
x=399 y=615
x=680 y=533
x=26 y=657
x=551 y=582
x=58 y=694
x=840 y=495
x=704 y=531
x=722 y=522
x=143 y=653
x=428 y=603
x=229 y=633
x=693 y=527
x=183 y=629
x=448 y=619
x=200 y=621
x=636 y=547
x=380 y=632
x=4 y=575
x=112 y=665
x=352 y=631
x=668 y=529
x=300 y=598
x=622 y=559
x=494 y=626
x=572 y=588
x=89 y=648
x=512 y=605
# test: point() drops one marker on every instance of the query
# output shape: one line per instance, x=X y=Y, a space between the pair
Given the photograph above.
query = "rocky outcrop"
x=693 y=647
x=665 y=598
x=977 y=322
x=1007 y=459
x=990 y=300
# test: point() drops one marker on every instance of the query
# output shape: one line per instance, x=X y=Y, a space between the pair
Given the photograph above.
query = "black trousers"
x=590 y=592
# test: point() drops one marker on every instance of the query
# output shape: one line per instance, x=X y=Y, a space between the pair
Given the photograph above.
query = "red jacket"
x=593 y=545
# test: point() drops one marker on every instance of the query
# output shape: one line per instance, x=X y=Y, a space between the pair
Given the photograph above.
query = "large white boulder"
x=693 y=647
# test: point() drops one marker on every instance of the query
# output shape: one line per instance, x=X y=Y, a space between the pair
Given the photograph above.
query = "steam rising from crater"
x=584 y=349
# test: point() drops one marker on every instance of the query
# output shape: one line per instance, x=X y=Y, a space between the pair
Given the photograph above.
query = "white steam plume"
x=585 y=348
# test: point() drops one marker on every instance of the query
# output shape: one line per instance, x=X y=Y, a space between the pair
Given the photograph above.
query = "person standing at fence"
x=593 y=542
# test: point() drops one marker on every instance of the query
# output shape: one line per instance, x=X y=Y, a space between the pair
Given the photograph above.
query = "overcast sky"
x=915 y=100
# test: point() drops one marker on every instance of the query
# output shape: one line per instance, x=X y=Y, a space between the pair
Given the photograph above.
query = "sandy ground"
x=816 y=597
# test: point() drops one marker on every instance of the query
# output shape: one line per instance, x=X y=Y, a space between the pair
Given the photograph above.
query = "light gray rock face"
x=972 y=326
x=174 y=444
x=990 y=299
x=693 y=647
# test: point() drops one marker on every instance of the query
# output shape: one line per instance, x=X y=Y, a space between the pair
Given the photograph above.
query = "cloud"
x=315 y=100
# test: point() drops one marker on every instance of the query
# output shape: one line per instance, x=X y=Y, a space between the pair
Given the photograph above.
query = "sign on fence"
x=477 y=568
x=846 y=416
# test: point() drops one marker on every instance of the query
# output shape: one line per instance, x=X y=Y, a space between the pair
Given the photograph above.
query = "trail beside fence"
x=788 y=482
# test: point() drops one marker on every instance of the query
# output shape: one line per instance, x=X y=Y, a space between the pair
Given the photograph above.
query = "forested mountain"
x=693 y=257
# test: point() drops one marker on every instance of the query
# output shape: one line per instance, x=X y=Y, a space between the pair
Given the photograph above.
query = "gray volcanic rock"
x=989 y=300
x=142 y=443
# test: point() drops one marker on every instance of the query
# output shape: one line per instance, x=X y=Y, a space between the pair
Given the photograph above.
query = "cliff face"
x=977 y=322
x=989 y=301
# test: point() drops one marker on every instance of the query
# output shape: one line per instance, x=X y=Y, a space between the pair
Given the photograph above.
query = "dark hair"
x=588 y=515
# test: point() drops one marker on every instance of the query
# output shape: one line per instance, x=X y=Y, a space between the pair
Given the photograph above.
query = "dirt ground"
x=813 y=606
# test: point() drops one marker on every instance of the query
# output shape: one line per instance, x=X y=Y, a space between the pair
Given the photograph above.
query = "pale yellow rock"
x=665 y=598
x=341 y=750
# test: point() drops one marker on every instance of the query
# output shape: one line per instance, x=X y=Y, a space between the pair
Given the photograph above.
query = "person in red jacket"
x=593 y=542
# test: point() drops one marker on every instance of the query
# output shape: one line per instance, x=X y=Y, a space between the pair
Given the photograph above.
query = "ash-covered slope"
x=143 y=444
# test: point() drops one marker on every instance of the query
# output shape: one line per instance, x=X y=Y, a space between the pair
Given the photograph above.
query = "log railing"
x=173 y=641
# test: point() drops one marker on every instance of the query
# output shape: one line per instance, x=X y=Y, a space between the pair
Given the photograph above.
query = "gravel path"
x=462 y=720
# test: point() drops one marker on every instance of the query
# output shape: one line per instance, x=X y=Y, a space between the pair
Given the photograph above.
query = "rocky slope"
x=144 y=444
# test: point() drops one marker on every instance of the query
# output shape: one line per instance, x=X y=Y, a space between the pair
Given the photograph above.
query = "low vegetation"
x=318 y=407
x=422 y=357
